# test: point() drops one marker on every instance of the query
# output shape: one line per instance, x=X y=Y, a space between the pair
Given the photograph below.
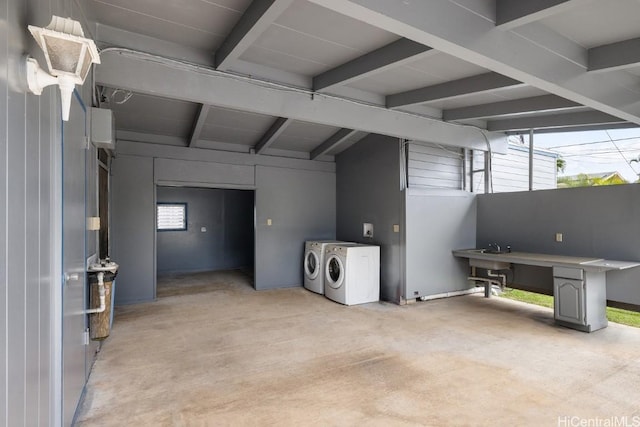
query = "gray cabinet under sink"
x=579 y=298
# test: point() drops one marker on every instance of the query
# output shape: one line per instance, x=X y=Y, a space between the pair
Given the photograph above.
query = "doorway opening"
x=199 y=231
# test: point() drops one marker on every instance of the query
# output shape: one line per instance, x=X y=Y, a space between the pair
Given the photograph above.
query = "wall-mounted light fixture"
x=69 y=57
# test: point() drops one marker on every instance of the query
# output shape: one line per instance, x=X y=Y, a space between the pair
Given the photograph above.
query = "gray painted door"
x=73 y=262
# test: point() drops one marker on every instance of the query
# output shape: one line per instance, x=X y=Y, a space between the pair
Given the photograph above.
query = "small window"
x=172 y=216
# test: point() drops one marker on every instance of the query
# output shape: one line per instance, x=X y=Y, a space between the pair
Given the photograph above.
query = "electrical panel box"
x=103 y=128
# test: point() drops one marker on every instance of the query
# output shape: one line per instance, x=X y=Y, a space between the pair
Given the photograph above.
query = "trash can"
x=100 y=323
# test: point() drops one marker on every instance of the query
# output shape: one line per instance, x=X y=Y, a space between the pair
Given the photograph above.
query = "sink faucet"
x=495 y=245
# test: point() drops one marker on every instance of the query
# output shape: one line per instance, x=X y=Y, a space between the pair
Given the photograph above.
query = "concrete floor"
x=213 y=351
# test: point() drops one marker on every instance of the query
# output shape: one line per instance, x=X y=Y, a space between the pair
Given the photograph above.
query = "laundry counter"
x=579 y=283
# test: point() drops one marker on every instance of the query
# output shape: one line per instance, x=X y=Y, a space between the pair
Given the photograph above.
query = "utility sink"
x=488 y=264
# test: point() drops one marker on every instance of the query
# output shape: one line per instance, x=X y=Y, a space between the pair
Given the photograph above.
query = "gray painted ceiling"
x=296 y=42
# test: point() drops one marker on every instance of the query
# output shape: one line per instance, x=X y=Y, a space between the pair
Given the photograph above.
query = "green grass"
x=617 y=315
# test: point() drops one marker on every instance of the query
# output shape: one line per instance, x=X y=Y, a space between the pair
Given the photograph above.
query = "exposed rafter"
x=255 y=20
x=553 y=121
x=514 y=13
x=615 y=55
x=143 y=74
x=127 y=135
x=333 y=141
x=466 y=86
x=534 y=104
x=198 y=124
x=392 y=55
x=477 y=40
x=272 y=134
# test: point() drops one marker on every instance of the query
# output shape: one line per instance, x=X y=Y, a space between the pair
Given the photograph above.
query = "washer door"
x=311 y=265
x=335 y=272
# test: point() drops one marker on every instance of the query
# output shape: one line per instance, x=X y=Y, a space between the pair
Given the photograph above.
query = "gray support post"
x=530 y=159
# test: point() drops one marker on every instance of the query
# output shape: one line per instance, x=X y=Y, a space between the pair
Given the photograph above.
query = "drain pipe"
x=101 y=291
x=502 y=277
x=489 y=281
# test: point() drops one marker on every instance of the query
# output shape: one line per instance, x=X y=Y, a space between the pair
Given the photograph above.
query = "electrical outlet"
x=558 y=237
x=367 y=230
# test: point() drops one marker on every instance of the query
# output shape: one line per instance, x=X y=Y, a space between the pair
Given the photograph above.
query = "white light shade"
x=69 y=57
x=66 y=49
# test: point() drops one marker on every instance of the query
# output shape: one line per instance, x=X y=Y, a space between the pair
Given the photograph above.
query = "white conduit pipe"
x=452 y=294
x=101 y=291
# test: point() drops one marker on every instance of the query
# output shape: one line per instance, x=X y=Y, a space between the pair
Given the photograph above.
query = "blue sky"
x=595 y=151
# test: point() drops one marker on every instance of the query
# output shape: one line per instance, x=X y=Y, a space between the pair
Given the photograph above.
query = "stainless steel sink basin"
x=488 y=264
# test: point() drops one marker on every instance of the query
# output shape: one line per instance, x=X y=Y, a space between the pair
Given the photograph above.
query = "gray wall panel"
x=595 y=221
x=300 y=203
x=368 y=190
x=436 y=223
x=181 y=171
x=30 y=200
x=302 y=206
x=133 y=228
x=45 y=275
x=73 y=260
x=16 y=261
x=4 y=177
x=32 y=330
x=227 y=243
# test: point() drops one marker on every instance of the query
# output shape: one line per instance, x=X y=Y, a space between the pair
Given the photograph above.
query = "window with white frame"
x=172 y=216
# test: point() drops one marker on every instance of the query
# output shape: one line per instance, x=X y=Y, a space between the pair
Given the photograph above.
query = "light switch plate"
x=269 y=222
x=367 y=230
x=93 y=223
x=203 y=229
x=558 y=237
x=396 y=228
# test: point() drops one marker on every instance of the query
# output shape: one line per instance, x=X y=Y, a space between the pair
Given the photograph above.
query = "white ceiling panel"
x=598 y=22
x=235 y=127
x=503 y=94
x=432 y=70
x=302 y=50
x=153 y=115
x=303 y=136
x=324 y=24
x=194 y=23
x=446 y=67
x=282 y=61
x=395 y=80
x=309 y=39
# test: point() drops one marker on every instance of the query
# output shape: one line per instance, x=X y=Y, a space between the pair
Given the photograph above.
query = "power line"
x=594 y=142
x=621 y=155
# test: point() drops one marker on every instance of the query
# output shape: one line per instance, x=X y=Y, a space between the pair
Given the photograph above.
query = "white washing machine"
x=314 y=264
x=352 y=273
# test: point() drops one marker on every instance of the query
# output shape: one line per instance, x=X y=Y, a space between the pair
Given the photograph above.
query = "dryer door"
x=334 y=275
x=311 y=264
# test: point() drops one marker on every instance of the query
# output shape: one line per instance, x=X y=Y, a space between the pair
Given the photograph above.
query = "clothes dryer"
x=352 y=273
